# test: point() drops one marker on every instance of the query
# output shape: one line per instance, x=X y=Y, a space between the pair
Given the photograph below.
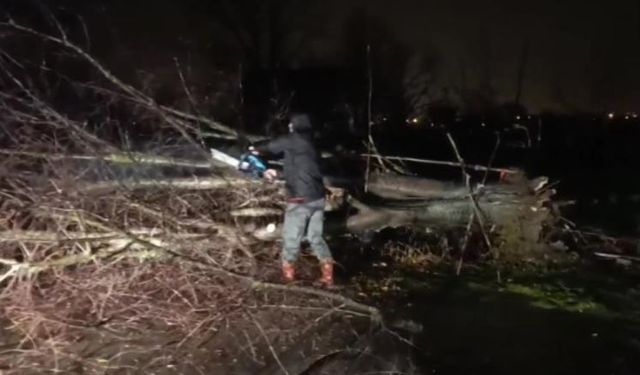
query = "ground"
x=582 y=319
x=574 y=317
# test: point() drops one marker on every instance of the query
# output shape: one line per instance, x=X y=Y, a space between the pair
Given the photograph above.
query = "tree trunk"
x=422 y=203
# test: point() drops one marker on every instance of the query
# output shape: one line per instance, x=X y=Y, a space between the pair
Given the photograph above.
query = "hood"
x=301 y=123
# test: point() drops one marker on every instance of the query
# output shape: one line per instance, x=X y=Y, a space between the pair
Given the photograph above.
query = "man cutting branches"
x=305 y=189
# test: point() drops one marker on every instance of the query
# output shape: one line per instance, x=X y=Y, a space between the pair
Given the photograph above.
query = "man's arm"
x=274 y=147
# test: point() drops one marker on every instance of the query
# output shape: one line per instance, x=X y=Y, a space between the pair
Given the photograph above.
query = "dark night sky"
x=583 y=55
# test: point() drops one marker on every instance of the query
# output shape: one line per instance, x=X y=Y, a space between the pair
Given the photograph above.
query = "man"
x=305 y=197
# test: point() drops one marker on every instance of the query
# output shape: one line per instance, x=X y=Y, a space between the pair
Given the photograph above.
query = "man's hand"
x=270 y=175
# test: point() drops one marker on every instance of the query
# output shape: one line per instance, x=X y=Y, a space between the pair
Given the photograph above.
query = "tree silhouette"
x=387 y=60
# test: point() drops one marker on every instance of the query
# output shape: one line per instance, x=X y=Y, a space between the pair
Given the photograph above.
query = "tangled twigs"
x=271 y=349
x=13 y=271
x=106 y=73
x=133 y=250
x=99 y=241
x=370 y=311
x=27 y=269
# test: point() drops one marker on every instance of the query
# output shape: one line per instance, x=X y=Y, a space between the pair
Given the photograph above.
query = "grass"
x=582 y=319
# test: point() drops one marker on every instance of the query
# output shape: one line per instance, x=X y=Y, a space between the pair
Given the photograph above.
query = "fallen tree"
x=84 y=254
x=430 y=203
x=102 y=270
x=421 y=203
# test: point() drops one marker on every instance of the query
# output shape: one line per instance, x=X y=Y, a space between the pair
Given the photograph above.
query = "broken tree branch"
x=119 y=158
x=54 y=236
x=479 y=216
x=446 y=163
x=207 y=183
x=256 y=212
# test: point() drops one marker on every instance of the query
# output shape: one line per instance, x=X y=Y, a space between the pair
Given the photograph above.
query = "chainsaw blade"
x=221 y=156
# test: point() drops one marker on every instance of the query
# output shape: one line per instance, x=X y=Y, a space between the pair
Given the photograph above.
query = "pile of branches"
x=100 y=272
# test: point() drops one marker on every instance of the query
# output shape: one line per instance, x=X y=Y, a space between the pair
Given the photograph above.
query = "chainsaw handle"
x=253 y=150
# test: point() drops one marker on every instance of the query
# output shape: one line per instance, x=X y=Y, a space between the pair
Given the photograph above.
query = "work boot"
x=288 y=272
x=327 y=273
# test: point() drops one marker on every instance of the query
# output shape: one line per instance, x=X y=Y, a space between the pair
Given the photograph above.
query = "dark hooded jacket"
x=303 y=179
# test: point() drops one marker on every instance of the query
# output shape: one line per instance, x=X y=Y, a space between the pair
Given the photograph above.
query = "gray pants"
x=300 y=219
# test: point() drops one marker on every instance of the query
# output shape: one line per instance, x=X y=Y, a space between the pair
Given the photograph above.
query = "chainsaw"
x=248 y=163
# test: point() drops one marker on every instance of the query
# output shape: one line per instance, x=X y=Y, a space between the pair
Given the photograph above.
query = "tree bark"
x=207 y=183
x=422 y=203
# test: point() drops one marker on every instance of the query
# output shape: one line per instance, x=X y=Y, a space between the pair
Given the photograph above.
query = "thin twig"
x=266 y=339
x=492 y=158
x=467 y=234
x=446 y=163
x=192 y=101
x=474 y=203
x=369 y=124
x=465 y=242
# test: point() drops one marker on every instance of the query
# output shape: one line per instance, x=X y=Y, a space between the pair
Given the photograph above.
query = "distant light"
x=611 y=115
x=415 y=120
x=626 y=117
x=635 y=115
x=483 y=124
x=517 y=117
x=529 y=117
